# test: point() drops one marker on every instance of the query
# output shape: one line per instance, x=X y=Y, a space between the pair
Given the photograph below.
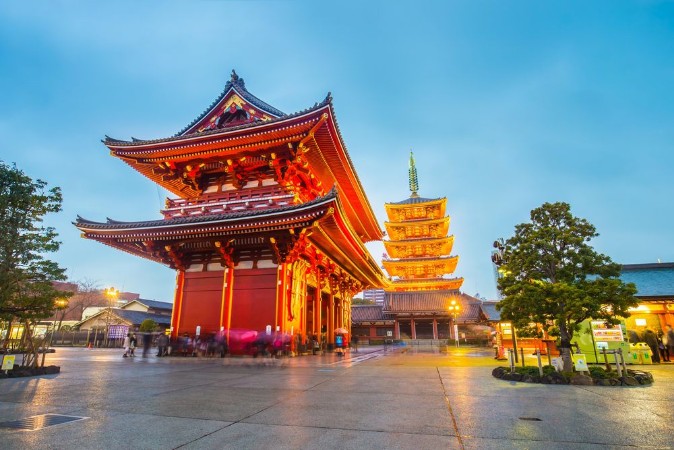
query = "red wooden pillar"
x=317 y=306
x=227 y=294
x=435 y=328
x=413 y=326
x=331 y=318
x=396 y=329
x=177 y=303
x=281 y=297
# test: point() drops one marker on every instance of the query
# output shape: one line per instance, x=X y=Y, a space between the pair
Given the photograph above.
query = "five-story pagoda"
x=419 y=262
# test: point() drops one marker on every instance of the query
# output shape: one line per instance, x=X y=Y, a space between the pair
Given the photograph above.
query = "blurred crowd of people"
x=230 y=342
x=660 y=343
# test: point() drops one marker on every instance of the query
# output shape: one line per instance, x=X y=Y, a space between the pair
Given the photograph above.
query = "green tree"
x=553 y=279
x=26 y=275
x=147 y=326
x=361 y=301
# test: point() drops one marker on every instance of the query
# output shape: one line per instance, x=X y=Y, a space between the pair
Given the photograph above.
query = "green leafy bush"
x=148 y=325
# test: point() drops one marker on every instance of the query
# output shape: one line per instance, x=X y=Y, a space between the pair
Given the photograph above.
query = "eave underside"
x=429 y=247
x=428 y=284
x=251 y=239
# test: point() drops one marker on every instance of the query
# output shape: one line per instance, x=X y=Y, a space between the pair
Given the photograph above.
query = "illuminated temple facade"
x=420 y=265
x=268 y=223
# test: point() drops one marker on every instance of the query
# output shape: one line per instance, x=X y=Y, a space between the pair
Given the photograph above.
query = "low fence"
x=422 y=343
x=93 y=338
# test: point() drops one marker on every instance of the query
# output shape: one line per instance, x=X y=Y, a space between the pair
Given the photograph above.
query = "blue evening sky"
x=506 y=105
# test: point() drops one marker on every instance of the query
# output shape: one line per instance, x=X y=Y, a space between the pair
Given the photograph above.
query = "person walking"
x=126 y=345
x=162 y=344
x=133 y=342
x=669 y=332
x=147 y=343
x=652 y=340
x=662 y=346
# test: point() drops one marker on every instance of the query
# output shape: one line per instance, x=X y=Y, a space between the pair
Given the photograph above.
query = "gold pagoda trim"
x=419 y=247
x=417 y=285
x=400 y=231
x=421 y=267
x=431 y=209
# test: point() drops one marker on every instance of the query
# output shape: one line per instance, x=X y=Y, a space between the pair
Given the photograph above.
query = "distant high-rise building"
x=374 y=295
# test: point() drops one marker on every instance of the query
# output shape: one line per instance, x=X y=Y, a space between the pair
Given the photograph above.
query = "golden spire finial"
x=414 y=182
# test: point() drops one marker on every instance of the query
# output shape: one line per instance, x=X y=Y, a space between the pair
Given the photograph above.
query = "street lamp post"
x=61 y=305
x=454 y=312
x=111 y=294
x=499 y=258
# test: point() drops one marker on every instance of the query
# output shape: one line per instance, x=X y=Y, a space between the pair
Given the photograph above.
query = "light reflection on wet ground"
x=398 y=398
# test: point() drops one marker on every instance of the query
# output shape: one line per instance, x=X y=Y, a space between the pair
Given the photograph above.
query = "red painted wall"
x=254 y=298
x=202 y=300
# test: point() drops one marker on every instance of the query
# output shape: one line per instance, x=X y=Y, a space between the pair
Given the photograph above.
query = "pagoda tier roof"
x=431 y=267
x=417 y=222
x=416 y=201
x=421 y=260
x=416 y=208
x=312 y=133
x=324 y=216
x=397 y=231
x=433 y=303
x=444 y=244
x=424 y=284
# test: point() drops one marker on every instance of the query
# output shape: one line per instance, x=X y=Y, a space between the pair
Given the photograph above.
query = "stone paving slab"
x=253 y=436
x=372 y=400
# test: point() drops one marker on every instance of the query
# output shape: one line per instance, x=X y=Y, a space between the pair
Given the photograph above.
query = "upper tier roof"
x=415 y=200
x=312 y=133
x=234 y=86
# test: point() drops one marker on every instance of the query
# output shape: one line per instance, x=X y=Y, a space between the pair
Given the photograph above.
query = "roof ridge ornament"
x=414 y=182
x=235 y=79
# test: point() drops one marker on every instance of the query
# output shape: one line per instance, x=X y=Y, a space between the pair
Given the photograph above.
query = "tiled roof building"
x=655 y=290
x=268 y=221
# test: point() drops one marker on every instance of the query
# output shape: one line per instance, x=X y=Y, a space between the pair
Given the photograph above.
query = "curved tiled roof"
x=135 y=317
x=176 y=221
x=433 y=302
x=415 y=200
x=651 y=280
x=368 y=313
x=421 y=259
x=152 y=304
x=237 y=84
x=112 y=141
x=424 y=280
x=490 y=311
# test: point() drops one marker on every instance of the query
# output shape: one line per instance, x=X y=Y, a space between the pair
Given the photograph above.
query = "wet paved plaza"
x=370 y=400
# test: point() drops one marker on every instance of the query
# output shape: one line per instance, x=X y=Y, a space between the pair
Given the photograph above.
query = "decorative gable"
x=235 y=106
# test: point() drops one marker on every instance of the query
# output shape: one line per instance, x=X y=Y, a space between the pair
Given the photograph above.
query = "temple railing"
x=230 y=201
